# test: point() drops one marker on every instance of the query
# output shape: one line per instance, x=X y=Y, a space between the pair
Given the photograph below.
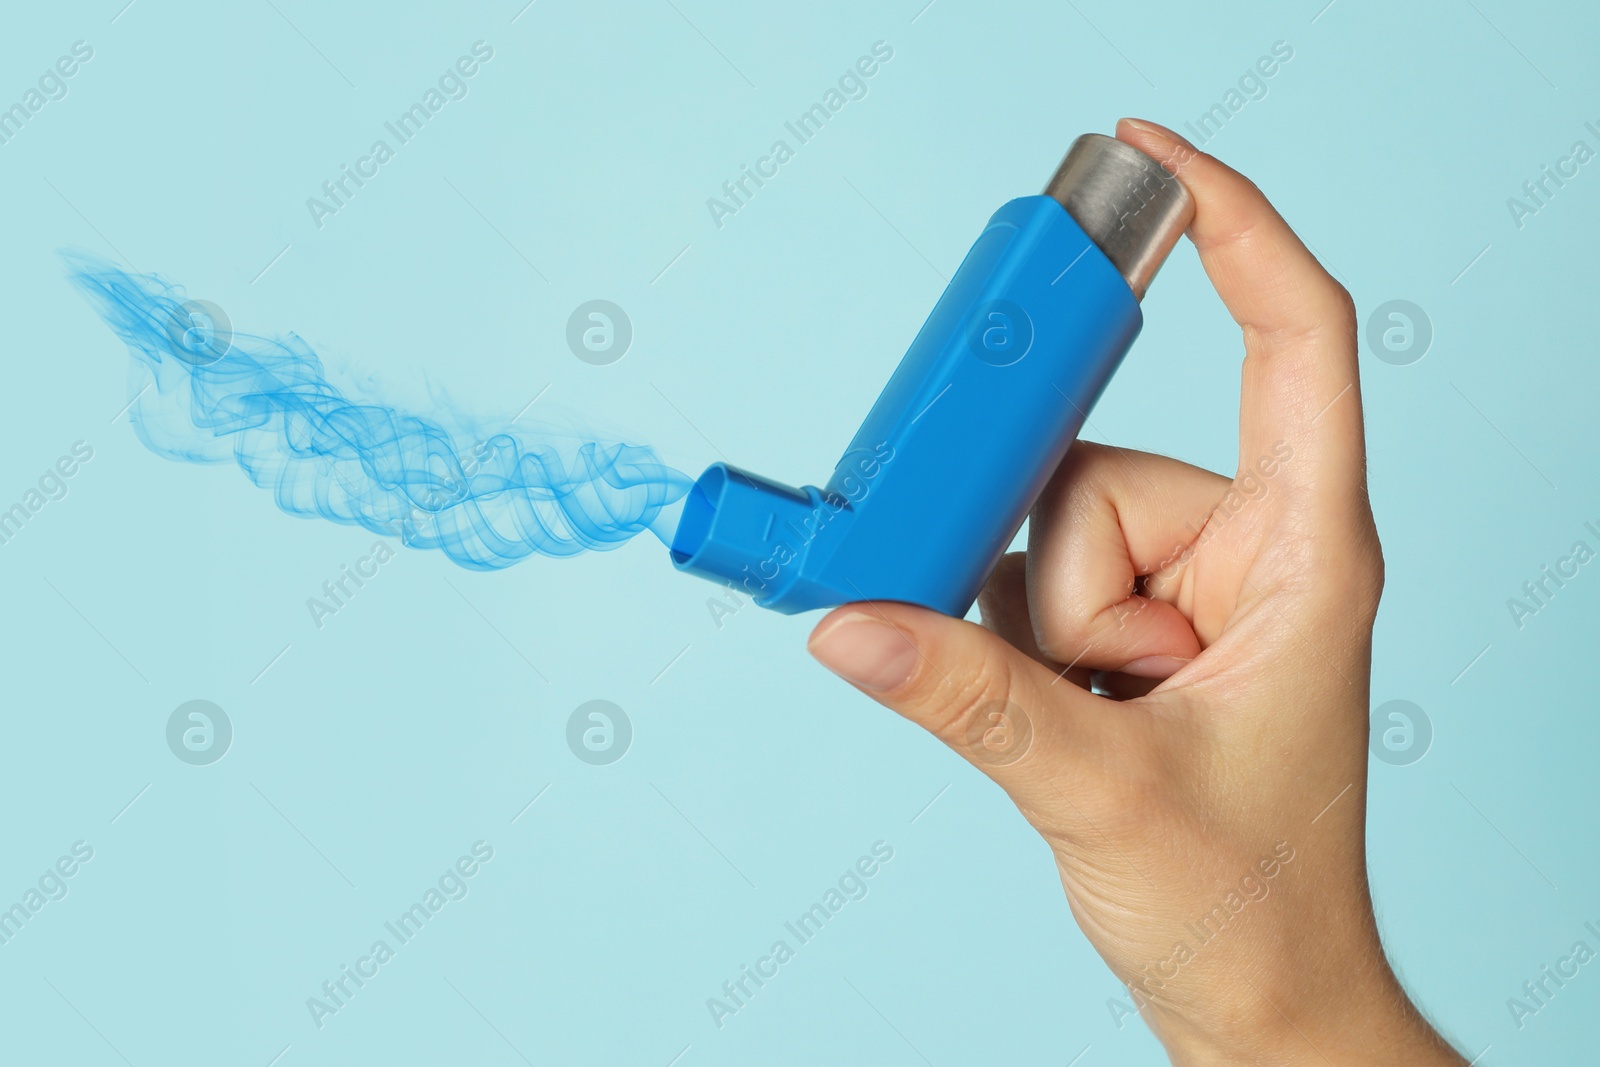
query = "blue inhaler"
x=976 y=418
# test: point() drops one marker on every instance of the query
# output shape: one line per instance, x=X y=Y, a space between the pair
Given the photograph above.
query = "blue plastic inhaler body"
x=976 y=418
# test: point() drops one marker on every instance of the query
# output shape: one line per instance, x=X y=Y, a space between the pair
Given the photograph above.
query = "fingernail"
x=865 y=651
x=1161 y=131
x=1158 y=667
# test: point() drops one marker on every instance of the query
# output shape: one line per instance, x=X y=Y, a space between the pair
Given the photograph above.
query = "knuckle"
x=952 y=696
x=1057 y=643
x=1344 y=575
x=1077 y=480
x=1346 y=302
x=1369 y=575
x=1066 y=635
x=972 y=711
x=1343 y=305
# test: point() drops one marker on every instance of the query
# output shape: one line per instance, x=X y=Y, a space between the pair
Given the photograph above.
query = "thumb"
x=992 y=704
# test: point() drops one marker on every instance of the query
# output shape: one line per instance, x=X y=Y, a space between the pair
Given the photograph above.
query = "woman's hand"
x=1208 y=818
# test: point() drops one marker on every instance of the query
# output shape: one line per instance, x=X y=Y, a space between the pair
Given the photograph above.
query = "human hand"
x=1207 y=815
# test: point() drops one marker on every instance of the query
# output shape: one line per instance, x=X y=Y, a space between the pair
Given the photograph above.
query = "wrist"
x=1354 y=1013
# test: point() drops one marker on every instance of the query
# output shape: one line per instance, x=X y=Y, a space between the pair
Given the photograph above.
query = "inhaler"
x=976 y=418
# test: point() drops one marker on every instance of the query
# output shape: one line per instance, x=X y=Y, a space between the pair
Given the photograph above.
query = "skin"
x=1200 y=769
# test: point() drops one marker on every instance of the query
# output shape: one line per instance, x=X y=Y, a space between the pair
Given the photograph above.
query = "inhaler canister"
x=1128 y=204
x=976 y=418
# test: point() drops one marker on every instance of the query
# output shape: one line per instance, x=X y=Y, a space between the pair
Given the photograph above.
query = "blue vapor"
x=486 y=502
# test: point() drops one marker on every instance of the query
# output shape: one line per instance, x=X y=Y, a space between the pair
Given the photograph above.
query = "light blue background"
x=376 y=750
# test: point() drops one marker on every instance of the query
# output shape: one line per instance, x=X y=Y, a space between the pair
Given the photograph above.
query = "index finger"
x=1300 y=374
